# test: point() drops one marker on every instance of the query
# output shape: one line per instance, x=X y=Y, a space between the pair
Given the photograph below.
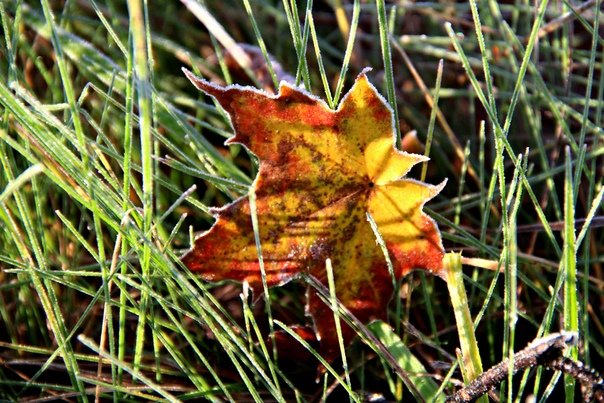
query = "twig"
x=547 y=352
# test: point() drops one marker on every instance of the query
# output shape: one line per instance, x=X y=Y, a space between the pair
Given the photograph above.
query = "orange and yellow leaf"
x=320 y=172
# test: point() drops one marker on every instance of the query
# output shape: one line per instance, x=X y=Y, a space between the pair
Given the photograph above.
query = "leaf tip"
x=438 y=188
x=192 y=77
x=363 y=73
x=201 y=84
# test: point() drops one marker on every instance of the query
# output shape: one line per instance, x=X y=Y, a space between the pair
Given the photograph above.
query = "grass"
x=110 y=160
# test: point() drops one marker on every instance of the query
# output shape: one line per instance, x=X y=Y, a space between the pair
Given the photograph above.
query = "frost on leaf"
x=320 y=172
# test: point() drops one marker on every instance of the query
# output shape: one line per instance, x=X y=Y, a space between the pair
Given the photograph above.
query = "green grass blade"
x=571 y=304
x=425 y=385
x=141 y=67
x=387 y=60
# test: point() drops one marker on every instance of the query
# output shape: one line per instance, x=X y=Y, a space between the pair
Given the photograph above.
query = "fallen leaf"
x=320 y=172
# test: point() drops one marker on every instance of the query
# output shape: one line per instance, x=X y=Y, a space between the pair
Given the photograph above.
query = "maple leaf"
x=320 y=172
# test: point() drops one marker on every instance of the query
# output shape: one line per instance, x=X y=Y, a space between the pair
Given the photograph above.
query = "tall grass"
x=110 y=160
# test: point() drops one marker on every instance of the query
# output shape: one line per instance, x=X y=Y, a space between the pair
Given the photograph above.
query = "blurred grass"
x=109 y=158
